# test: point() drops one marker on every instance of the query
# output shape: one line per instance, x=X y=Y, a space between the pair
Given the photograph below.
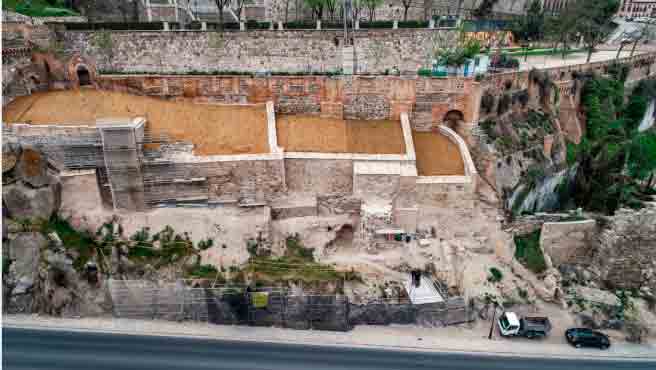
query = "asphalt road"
x=54 y=350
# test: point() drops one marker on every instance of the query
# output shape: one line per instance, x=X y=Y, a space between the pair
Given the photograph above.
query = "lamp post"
x=526 y=45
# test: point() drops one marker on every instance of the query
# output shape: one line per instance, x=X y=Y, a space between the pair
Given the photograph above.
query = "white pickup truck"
x=530 y=327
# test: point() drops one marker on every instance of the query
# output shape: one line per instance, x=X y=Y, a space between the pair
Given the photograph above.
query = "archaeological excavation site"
x=137 y=184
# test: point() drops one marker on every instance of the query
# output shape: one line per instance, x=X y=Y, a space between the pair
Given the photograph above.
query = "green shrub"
x=488 y=127
x=413 y=24
x=83 y=242
x=487 y=102
x=529 y=253
x=205 y=244
x=425 y=72
x=495 y=275
x=206 y=272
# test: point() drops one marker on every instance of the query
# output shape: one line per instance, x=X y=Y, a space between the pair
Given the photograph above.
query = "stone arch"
x=453 y=119
x=83 y=76
x=81 y=71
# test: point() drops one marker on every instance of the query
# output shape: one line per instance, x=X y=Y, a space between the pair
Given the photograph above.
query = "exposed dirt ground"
x=304 y=133
x=213 y=129
x=437 y=155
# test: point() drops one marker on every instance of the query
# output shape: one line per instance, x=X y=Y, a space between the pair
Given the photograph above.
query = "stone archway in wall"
x=83 y=76
x=81 y=71
x=454 y=119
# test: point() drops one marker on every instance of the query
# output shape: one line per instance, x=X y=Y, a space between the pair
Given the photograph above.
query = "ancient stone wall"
x=568 y=242
x=224 y=181
x=626 y=249
x=427 y=100
x=252 y=51
x=320 y=176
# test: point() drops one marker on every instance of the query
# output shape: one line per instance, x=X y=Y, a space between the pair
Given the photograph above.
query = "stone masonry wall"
x=568 y=242
x=626 y=250
x=325 y=176
x=226 y=181
x=252 y=51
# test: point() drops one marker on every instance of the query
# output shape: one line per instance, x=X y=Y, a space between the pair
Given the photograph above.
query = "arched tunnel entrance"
x=83 y=76
x=453 y=118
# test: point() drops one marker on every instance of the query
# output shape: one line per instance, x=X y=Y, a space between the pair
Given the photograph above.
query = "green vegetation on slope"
x=297 y=264
x=615 y=161
x=83 y=243
x=529 y=253
x=38 y=8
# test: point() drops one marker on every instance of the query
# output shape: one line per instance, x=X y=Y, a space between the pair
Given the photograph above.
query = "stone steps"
x=348 y=60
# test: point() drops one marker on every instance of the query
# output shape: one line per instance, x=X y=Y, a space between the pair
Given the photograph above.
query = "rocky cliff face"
x=38 y=272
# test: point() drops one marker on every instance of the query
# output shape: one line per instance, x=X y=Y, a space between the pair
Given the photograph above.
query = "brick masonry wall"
x=252 y=51
x=357 y=97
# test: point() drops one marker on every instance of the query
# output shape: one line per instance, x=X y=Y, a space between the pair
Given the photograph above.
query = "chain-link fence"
x=273 y=307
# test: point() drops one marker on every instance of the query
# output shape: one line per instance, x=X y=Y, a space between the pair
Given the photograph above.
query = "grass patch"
x=529 y=253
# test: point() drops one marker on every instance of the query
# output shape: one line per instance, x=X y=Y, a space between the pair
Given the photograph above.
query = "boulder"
x=27 y=203
x=32 y=167
x=25 y=251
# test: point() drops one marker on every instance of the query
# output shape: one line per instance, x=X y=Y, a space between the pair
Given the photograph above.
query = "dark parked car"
x=579 y=337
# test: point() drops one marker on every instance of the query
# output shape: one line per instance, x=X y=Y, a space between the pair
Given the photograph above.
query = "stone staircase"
x=348 y=60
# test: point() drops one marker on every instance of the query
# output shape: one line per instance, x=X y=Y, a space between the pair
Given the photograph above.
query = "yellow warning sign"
x=260 y=299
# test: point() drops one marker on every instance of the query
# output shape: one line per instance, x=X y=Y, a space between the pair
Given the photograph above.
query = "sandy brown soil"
x=437 y=155
x=304 y=133
x=213 y=129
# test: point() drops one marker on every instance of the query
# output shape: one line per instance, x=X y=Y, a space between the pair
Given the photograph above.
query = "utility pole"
x=494 y=313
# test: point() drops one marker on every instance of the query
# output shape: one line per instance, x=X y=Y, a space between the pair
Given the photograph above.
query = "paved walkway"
x=549 y=61
x=449 y=339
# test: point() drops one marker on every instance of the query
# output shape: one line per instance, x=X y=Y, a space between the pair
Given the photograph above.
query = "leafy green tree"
x=317 y=7
x=371 y=6
x=614 y=159
x=561 y=29
x=221 y=4
x=406 y=6
x=332 y=6
x=485 y=9
x=594 y=22
x=531 y=25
